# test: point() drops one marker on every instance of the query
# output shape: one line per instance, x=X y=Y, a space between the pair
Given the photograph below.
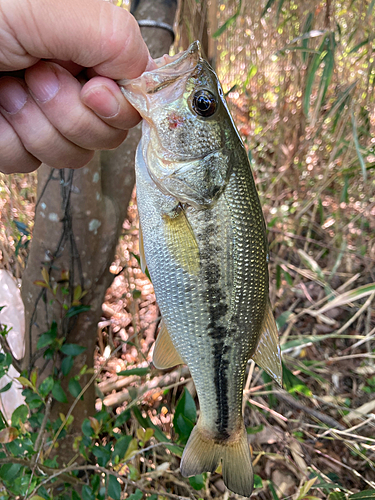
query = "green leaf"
x=9 y=471
x=250 y=74
x=186 y=405
x=337 y=495
x=329 y=62
x=363 y=495
x=121 y=447
x=47 y=338
x=72 y=349
x=25 y=382
x=102 y=454
x=306 y=27
x=305 y=488
x=87 y=430
x=122 y=418
x=87 y=493
x=46 y=386
x=74 y=387
x=267 y=6
x=137 y=495
x=258 y=483
x=134 y=371
x=228 y=22
x=19 y=415
x=357 y=147
x=254 y=430
x=22 y=228
x=185 y=415
x=74 y=310
x=66 y=365
x=283 y=319
x=6 y=387
x=359 y=45
x=294 y=384
x=137 y=258
x=272 y=490
x=114 y=488
x=279 y=7
x=58 y=393
x=198 y=482
x=311 y=72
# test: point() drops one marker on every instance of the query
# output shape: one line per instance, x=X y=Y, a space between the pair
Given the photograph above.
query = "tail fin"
x=204 y=455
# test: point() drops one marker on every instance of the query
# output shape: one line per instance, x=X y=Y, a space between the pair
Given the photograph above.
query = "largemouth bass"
x=203 y=237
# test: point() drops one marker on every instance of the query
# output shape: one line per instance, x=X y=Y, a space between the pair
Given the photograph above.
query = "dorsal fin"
x=165 y=354
x=268 y=353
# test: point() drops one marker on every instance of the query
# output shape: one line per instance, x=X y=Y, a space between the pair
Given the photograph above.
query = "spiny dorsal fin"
x=268 y=353
x=165 y=354
x=142 y=249
x=181 y=242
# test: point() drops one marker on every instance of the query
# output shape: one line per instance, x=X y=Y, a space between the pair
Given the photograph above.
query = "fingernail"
x=13 y=96
x=44 y=85
x=101 y=100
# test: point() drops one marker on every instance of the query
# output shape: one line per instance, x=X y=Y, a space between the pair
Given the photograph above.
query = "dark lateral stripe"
x=218 y=308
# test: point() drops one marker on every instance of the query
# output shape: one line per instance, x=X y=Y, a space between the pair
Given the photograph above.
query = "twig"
x=362 y=341
x=328 y=457
x=273 y=412
x=315 y=413
x=39 y=440
x=248 y=382
x=357 y=314
x=121 y=397
x=44 y=423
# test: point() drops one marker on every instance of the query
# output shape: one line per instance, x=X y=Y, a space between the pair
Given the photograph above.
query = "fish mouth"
x=169 y=69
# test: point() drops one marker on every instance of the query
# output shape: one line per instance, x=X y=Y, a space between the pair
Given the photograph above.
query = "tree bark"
x=78 y=219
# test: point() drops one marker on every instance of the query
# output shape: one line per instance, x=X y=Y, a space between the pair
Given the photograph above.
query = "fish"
x=203 y=239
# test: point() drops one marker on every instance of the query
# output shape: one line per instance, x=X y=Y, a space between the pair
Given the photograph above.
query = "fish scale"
x=204 y=241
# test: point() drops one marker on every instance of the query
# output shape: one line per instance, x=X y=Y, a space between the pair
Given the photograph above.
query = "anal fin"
x=142 y=249
x=268 y=353
x=165 y=354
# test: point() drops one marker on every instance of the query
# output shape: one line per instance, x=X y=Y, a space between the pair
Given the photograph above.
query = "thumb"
x=92 y=33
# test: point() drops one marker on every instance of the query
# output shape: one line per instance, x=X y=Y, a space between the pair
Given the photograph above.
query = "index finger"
x=91 y=33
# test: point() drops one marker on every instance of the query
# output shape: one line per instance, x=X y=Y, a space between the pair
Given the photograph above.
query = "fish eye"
x=204 y=103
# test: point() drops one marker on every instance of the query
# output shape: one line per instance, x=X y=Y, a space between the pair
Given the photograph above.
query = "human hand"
x=46 y=115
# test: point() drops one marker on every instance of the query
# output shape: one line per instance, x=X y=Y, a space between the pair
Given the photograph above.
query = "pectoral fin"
x=181 y=242
x=165 y=354
x=268 y=353
x=141 y=249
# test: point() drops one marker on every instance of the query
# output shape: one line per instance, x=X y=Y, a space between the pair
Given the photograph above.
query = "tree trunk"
x=78 y=219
